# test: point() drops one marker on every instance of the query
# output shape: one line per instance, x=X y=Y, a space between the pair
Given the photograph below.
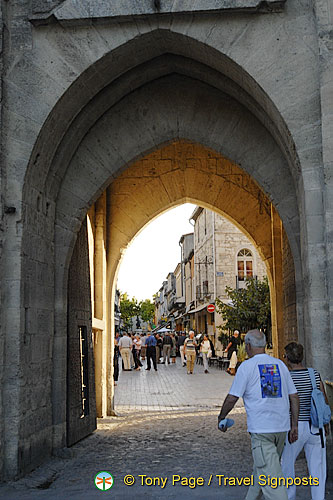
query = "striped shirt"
x=302 y=381
x=190 y=344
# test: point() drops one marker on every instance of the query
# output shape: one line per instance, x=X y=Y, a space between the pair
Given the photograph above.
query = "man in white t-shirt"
x=125 y=346
x=269 y=396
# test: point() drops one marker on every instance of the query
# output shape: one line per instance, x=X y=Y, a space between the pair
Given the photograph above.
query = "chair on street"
x=212 y=361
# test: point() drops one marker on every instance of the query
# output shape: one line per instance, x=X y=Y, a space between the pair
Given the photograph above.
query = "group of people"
x=277 y=400
x=158 y=349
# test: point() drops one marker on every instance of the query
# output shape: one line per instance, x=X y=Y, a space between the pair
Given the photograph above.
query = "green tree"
x=147 y=310
x=250 y=307
x=129 y=308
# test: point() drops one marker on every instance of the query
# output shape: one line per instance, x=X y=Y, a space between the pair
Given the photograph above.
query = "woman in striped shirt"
x=308 y=436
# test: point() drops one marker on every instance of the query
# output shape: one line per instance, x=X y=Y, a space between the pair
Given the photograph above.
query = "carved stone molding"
x=86 y=11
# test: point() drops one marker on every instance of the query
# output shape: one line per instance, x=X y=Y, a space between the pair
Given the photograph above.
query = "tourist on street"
x=159 y=347
x=116 y=360
x=167 y=344
x=309 y=437
x=143 y=346
x=232 y=352
x=132 y=354
x=204 y=349
x=268 y=414
x=136 y=352
x=190 y=345
x=173 y=352
x=125 y=346
x=212 y=348
x=181 y=340
x=151 y=351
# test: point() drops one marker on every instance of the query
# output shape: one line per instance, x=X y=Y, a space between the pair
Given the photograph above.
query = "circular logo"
x=103 y=480
x=211 y=308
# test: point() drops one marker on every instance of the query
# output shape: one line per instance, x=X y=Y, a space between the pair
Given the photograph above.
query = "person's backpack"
x=320 y=413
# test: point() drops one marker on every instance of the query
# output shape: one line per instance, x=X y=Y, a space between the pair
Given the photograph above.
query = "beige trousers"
x=233 y=360
x=126 y=355
x=190 y=360
x=266 y=452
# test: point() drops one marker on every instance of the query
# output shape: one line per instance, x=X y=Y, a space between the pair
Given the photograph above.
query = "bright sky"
x=154 y=253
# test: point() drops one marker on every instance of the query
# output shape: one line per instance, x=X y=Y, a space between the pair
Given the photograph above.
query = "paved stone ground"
x=153 y=436
x=171 y=388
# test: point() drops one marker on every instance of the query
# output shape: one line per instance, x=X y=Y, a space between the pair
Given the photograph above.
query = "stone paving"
x=171 y=388
x=152 y=436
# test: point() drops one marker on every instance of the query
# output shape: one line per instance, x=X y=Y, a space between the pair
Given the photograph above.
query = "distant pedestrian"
x=159 y=347
x=143 y=346
x=151 y=351
x=181 y=340
x=212 y=348
x=116 y=361
x=167 y=344
x=173 y=352
x=136 y=352
x=125 y=346
x=232 y=352
x=205 y=349
x=132 y=354
x=190 y=345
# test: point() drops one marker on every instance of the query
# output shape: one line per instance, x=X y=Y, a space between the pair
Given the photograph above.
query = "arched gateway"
x=134 y=118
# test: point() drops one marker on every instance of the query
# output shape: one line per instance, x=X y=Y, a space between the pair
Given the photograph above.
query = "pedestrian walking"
x=136 y=352
x=173 y=352
x=269 y=394
x=151 y=351
x=116 y=361
x=205 y=350
x=132 y=354
x=190 y=345
x=167 y=344
x=232 y=352
x=159 y=347
x=125 y=347
x=309 y=437
x=181 y=340
x=143 y=346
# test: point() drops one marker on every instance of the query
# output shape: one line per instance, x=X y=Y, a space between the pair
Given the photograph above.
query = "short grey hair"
x=256 y=338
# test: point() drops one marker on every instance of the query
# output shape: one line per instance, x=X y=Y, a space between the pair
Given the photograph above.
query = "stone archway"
x=98 y=133
x=183 y=171
x=191 y=110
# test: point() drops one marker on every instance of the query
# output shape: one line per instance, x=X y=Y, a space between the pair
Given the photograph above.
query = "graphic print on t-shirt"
x=270 y=381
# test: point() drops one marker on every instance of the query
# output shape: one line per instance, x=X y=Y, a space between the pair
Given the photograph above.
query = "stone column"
x=277 y=292
x=100 y=306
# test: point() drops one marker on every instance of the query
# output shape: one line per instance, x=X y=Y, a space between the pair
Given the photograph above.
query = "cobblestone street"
x=166 y=425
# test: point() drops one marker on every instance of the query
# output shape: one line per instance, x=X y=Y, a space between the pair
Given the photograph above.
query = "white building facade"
x=223 y=257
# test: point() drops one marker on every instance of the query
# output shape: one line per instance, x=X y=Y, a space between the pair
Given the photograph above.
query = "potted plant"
x=241 y=354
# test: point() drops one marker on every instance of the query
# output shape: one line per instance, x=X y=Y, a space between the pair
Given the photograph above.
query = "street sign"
x=220 y=274
x=211 y=308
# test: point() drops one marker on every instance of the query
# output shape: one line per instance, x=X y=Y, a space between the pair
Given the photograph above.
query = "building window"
x=244 y=265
